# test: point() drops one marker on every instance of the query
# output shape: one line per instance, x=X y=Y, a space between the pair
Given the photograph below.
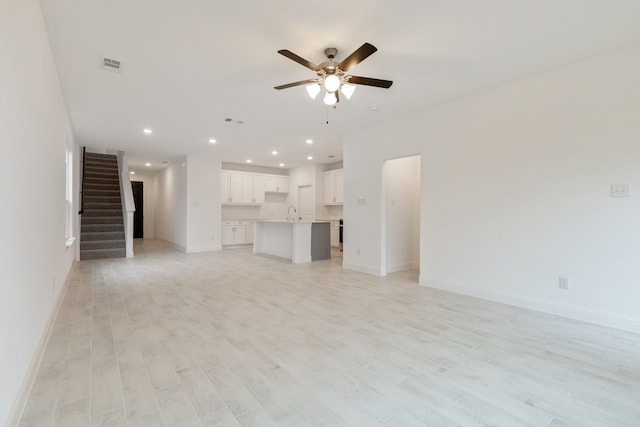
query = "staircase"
x=102 y=226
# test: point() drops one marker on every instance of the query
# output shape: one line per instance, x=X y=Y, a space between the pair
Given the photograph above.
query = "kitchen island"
x=299 y=241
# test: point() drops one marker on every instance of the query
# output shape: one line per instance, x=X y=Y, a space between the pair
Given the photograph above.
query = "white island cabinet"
x=299 y=241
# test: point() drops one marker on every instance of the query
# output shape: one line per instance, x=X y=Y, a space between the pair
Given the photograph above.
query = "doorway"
x=138 y=216
x=401 y=214
x=305 y=201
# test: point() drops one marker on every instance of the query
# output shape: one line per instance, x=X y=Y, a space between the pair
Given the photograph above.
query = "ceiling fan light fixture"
x=332 y=83
x=330 y=98
x=313 y=90
x=347 y=90
x=332 y=76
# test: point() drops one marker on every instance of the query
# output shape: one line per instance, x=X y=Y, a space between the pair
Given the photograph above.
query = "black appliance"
x=340 y=246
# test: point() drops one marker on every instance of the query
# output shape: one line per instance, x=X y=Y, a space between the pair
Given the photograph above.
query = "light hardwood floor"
x=229 y=339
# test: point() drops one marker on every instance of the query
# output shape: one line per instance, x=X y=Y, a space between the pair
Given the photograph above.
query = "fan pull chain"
x=328 y=108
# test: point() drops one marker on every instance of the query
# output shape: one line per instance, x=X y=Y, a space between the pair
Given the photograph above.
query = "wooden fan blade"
x=300 y=83
x=368 y=81
x=298 y=59
x=362 y=53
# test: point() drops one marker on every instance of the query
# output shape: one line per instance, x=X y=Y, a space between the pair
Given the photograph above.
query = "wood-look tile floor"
x=234 y=339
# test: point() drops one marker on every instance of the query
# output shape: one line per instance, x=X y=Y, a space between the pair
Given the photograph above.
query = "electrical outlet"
x=620 y=190
x=563 y=283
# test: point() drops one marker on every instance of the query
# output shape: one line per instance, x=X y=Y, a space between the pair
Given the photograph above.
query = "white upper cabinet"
x=248 y=188
x=277 y=184
x=236 y=188
x=333 y=187
x=255 y=193
x=225 y=187
x=231 y=187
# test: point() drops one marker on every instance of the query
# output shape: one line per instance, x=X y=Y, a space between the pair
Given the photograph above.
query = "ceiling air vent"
x=111 y=64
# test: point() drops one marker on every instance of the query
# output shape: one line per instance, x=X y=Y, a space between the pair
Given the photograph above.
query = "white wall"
x=171 y=204
x=516 y=191
x=401 y=183
x=148 y=201
x=203 y=204
x=298 y=177
x=34 y=262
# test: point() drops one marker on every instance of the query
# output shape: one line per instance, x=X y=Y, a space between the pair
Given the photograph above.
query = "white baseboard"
x=173 y=245
x=362 y=268
x=197 y=249
x=584 y=314
x=401 y=267
x=27 y=384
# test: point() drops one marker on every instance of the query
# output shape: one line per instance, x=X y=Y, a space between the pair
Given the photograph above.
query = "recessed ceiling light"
x=309 y=157
x=274 y=152
x=147 y=131
x=147 y=164
x=309 y=141
x=132 y=173
x=213 y=141
x=248 y=160
x=373 y=107
x=281 y=165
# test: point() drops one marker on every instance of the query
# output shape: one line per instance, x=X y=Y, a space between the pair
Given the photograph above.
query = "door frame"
x=137 y=188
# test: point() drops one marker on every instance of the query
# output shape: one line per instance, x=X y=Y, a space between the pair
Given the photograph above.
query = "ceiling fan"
x=332 y=75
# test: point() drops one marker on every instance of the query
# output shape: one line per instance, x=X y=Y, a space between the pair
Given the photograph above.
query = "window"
x=70 y=238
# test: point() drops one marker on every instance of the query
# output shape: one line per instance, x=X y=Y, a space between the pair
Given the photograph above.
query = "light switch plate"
x=620 y=190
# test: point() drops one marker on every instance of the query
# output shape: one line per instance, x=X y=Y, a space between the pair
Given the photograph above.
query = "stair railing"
x=128 y=204
x=84 y=152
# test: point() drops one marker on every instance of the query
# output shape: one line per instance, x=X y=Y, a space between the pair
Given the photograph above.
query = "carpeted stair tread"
x=93 y=236
x=102 y=206
x=102 y=225
x=102 y=244
x=101 y=199
x=102 y=212
x=91 y=220
x=89 y=254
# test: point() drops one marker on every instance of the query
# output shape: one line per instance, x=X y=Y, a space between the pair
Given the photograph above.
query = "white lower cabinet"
x=335 y=233
x=249 y=234
x=235 y=233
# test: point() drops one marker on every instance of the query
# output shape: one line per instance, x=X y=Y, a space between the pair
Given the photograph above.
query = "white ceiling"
x=188 y=65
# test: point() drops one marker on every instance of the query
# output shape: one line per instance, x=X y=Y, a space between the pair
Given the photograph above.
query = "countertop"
x=293 y=222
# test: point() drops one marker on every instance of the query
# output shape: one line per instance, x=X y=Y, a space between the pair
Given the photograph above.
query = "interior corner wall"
x=204 y=224
x=34 y=261
x=401 y=198
x=516 y=191
x=170 y=210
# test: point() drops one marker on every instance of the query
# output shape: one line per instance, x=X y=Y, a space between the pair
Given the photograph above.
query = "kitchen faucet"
x=289 y=217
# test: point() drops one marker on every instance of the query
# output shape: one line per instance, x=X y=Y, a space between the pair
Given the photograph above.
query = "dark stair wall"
x=102 y=225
